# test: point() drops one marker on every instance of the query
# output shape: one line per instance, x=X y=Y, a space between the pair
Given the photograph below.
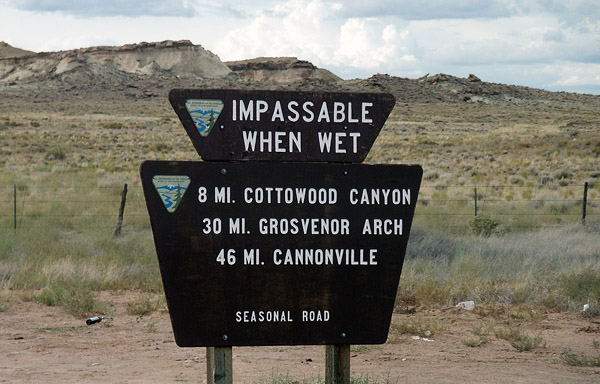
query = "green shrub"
x=114 y=125
x=570 y=358
x=160 y=147
x=473 y=343
x=144 y=305
x=518 y=339
x=56 y=154
x=3 y=305
x=73 y=297
x=426 y=329
x=484 y=225
x=582 y=287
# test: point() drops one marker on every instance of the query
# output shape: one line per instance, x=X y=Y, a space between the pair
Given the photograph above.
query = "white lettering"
x=350 y=118
x=246 y=112
x=324 y=113
x=325 y=256
x=279 y=141
x=315 y=315
x=380 y=196
x=338 y=112
x=307 y=107
x=382 y=227
x=261 y=107
x=249 y=140
x=292 y=108
x=267 y=140
x=295 y=141
x=305 y=226
x=263 y=316
x=279 y=195
x=278 y=112
x=338 y=142
x=365 y=112
x=325 y=141
x=354 y=136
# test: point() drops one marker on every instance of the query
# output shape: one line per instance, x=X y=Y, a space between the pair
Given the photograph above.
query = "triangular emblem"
x=204 y=113
x=171 y=189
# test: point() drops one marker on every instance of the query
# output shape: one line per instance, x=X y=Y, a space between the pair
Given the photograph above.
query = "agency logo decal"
x=204 y=113
x=171 y=189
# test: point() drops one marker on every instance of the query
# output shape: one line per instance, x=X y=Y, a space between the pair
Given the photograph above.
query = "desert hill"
x=6 y=50
x=443 y=88
x=172 y=57
x=152 y=69
x=281 y=70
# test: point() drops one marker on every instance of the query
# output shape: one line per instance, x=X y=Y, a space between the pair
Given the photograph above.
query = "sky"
x=548 y=44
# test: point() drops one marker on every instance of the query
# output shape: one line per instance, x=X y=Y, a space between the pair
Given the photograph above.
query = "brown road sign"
x=281 y=125
x=265 y=253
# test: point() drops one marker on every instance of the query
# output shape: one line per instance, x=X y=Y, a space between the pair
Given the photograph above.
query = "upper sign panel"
x=281 y=125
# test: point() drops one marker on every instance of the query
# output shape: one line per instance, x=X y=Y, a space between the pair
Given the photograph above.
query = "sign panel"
x=281 y=125
x=280 y=253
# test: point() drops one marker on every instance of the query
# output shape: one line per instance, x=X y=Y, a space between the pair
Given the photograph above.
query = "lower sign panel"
x=280 y=253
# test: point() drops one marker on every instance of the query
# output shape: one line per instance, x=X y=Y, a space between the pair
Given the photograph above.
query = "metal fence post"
x=475 y=199
x=585 y=193
x=15 y=205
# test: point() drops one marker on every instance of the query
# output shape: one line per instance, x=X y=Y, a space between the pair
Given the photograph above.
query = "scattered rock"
x=421 y=338
x=468 y=305
x=473 y=79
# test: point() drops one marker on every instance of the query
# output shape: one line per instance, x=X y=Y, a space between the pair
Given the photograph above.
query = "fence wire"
x=442 y=206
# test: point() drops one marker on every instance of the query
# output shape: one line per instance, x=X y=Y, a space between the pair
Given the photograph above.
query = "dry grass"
x=516 y=148
x=556 y=268
x=529 y=163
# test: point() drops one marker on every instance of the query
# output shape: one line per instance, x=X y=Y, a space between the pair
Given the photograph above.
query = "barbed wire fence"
x=515 y=207
x=447 y=207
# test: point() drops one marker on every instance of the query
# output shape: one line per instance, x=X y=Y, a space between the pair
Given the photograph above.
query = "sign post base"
x=337 y=364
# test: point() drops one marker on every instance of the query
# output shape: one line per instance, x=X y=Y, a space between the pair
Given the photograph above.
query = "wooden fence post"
x=121 y=211
x=337 y=364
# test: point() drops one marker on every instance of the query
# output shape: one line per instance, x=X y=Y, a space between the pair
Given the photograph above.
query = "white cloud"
x=365 y=44
x=294 y=28
x=93 y=8
x=569 y=74
x=524 y=39
x=428 y=10
x=310 y=30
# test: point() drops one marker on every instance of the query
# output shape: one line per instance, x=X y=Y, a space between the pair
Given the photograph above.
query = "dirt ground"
x=45 y=344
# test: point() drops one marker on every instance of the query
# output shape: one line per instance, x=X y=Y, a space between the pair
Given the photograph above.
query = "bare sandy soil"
x=44 y=344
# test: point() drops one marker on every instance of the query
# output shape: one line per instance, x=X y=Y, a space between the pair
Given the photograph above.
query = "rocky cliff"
x=152 y=69
x=280 y=70
x=167 y=57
